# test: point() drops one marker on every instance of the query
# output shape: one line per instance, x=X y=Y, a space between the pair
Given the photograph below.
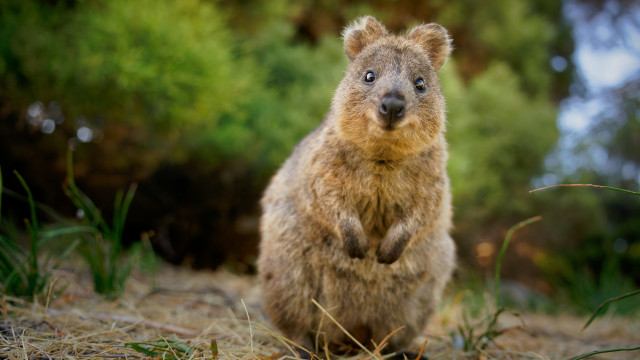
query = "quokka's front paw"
x=355 y=241
x=392 y=246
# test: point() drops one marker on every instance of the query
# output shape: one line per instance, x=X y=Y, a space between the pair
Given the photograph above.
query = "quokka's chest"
x=379 y=204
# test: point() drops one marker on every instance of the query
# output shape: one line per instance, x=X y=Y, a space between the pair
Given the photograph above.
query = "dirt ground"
x=199 y=307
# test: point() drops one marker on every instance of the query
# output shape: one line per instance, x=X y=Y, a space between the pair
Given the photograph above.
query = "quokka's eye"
x=420 y=85
x=369 y=76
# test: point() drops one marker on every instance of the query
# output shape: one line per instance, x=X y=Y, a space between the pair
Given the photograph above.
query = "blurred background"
x=200 y=101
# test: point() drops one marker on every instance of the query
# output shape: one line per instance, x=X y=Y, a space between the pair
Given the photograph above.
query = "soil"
x=201 y=308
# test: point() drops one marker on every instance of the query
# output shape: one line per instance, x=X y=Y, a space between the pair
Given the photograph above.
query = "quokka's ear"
x=435 y=40
x=361 y=33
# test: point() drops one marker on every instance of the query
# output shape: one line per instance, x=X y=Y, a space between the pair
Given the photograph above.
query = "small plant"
x=102 y=247
x=478 y=336
x=168 y=349
x=23 y=273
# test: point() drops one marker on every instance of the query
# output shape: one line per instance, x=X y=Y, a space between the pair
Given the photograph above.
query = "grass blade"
x=605 y=303
x=81 y=200
x=9 y=260
x=124 y=210
x=505 y=243
x=588 y=185
x=32 y=228
x=42 y=207
x=165 y=348
x=343 y=330
x=120 y=210
x=117 y=210
x=636 y=348
x=0 y=194
x=140 y=349
x=67 y=231
x=10 y=255
x=32 y=203
x=214 y=348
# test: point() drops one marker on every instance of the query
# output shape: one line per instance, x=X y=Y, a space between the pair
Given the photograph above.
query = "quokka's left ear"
x=435 y=40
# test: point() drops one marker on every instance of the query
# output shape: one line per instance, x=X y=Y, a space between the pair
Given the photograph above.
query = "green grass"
x=28 y=272
x=477 y=336
x=596 y=352
x=605 y=303
x=102 y=247
x=24 y=273
x=168 y=349
x=503 y=250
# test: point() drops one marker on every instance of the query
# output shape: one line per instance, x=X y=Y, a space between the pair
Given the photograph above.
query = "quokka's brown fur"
x=358 y=217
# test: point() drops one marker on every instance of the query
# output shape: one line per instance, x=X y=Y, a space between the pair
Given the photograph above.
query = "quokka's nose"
x=392 y=107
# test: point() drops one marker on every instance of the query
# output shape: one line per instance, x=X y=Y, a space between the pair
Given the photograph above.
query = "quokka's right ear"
x=435 y=40
x=361 y=33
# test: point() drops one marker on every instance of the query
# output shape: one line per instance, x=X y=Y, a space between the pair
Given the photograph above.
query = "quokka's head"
x=389 y=102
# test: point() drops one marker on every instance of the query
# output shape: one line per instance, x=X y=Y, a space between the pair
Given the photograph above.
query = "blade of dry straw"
x=149 y=323
x=250 y=327
x=287 y=342
x=422 y=348
x=383 y=343
x=343 y=329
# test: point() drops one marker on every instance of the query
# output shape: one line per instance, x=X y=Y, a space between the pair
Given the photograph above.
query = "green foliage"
x=133 y=56
x=199 y=88
x=162 y=71
x=102 y=247
x=499 y=137
x=25 y=273
x=174 y=74
x=299 y=81
x=518 y=38
x=236 y=84
x=518 y=34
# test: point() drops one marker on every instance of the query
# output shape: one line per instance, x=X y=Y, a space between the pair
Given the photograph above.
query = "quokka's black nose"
x=392 y=107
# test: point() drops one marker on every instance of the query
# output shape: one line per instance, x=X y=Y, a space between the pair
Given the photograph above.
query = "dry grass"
x=196 y=306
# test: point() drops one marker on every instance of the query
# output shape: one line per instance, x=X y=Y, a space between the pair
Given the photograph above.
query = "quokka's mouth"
x=388 y=127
